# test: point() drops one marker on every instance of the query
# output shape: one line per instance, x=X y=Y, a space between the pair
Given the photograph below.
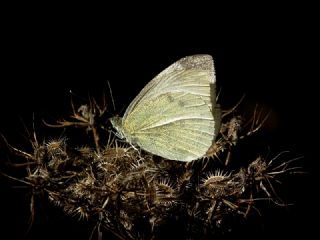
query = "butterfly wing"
x=175 y=115
x=174 y=78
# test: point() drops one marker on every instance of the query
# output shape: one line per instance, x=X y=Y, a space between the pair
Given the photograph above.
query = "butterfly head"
x=117 y=124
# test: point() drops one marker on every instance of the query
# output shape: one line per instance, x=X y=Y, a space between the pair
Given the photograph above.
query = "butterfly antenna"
x=110 y=90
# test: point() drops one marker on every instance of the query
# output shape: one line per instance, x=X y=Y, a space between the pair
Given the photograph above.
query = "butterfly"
x=175 y=115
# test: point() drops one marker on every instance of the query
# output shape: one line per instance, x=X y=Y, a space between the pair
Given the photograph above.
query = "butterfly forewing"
x=194 y=74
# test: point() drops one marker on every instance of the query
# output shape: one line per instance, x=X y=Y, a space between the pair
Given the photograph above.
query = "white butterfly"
x=175 y=115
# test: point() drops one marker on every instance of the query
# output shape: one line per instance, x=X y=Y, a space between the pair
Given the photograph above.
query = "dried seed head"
x=215 y=179
x=166 y=193
x=215 y=185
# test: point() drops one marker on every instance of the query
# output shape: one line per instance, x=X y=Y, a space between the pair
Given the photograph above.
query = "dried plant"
x=135 y=195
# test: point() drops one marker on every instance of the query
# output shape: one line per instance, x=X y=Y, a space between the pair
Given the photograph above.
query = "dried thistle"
x=135 y=195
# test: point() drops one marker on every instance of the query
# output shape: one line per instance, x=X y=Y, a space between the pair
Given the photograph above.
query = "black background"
x=266 y=52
